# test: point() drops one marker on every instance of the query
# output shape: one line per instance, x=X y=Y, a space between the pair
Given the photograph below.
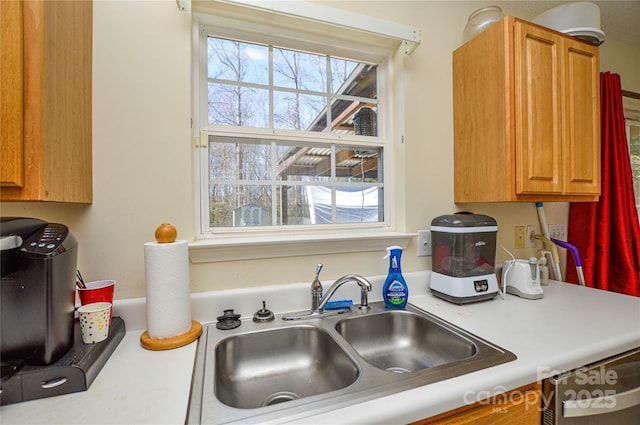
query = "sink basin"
x=265 y=368
x=401 y=341
x=282 y=371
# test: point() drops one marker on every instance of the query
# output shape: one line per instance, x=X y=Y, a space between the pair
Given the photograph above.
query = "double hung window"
x=294 y=129
x=298 y=130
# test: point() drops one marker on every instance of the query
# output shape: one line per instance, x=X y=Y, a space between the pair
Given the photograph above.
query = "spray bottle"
x=395 y=291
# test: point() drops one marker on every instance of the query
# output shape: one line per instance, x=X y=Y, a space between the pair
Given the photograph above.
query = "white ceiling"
x=620 y=20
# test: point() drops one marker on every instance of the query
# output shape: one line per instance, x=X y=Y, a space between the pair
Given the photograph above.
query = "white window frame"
x=233 y=21
x=631 y=110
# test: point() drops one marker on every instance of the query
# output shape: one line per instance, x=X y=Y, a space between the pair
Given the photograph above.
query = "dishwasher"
x=603 y=393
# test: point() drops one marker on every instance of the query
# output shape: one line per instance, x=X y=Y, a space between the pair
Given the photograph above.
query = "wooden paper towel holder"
x=166 y=233
x=158 y=344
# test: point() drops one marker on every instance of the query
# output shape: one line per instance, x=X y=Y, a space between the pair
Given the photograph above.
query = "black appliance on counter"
x=42 y=353
x=37 y=295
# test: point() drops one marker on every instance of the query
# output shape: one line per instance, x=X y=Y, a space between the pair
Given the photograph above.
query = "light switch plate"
x=424 y=243
x=558 y=231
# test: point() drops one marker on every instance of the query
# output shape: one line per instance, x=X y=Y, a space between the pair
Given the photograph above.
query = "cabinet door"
x=538 y=110
x=581 y=119
x=47 y=154
x=11 y=104
x=521 y=406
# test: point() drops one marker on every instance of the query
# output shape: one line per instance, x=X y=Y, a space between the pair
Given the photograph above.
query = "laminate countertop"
x=570 y=327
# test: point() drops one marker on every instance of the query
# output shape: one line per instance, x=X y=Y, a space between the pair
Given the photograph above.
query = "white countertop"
x=570 y=327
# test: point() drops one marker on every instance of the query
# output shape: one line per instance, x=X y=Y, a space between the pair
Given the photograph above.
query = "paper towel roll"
x=166 y=267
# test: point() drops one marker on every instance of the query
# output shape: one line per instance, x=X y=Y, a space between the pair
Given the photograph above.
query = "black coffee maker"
x=37 y=291
x=43 y=354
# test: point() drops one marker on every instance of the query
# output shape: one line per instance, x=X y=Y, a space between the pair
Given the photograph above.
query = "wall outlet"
x=520 y=237
x=424 y=243
x=558 y=231
x=531 y=231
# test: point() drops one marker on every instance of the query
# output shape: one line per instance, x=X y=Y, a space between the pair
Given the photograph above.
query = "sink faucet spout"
x=365 y=287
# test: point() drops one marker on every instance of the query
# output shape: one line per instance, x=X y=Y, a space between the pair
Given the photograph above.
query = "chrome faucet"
x=318 y=301
x=365 y=286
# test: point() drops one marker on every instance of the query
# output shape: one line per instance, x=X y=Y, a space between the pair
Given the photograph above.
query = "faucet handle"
x=316 y=289
x=316 y=285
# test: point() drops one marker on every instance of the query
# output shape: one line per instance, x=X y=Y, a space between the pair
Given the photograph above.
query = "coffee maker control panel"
x=47 y=240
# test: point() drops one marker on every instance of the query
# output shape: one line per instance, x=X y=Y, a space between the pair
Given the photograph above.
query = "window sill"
x=230 y=249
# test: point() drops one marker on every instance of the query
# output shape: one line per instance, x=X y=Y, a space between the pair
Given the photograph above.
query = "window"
x=631 y=107
x=299 y=179
x=297 y=127
x=633 y=138
x=294 y=134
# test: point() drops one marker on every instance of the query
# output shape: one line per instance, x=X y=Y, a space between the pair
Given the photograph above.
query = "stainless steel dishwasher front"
x=603 y=393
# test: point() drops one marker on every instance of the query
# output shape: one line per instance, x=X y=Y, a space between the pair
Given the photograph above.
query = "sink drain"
x=280 y=397
x=397 y=369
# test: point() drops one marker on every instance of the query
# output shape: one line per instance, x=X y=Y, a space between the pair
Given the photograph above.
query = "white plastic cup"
x=94 y=322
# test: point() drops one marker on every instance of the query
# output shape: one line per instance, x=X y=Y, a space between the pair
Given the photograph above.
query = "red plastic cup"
x=97 y=291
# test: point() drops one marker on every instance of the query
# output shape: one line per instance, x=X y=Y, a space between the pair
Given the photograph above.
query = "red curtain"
x=607 y=233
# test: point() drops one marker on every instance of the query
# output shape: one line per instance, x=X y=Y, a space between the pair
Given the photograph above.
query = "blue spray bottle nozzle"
x=390 y=249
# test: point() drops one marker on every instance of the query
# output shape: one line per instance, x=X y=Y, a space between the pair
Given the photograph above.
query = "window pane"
x=240 y=205
x=341 y=71
x=300 y=71
x=357 y=205
x=358 y=164
x=237 y=61
x=293 y=206
x=295 y=111
x=362 y=82
x=304 y=163
x=244 y=104
x=239 y=160
x=241 y=183
x=365 y=122
x=238 y=106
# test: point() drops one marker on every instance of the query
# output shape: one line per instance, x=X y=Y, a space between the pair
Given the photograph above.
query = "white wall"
x=622 y=59
x=143 y=156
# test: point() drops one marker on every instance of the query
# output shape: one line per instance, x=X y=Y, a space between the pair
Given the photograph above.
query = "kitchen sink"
x=401 y=341
x=280 y=371
x=265 y=368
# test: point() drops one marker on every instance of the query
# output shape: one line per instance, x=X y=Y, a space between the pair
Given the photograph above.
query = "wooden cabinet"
x=46 y=100
x=526 y=116
x=517 y=407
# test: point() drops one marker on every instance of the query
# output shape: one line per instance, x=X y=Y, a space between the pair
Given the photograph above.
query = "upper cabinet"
x=46 y=54
x=526 y=116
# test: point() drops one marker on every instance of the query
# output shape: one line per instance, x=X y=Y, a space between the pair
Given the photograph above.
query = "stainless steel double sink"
x=283 y=370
